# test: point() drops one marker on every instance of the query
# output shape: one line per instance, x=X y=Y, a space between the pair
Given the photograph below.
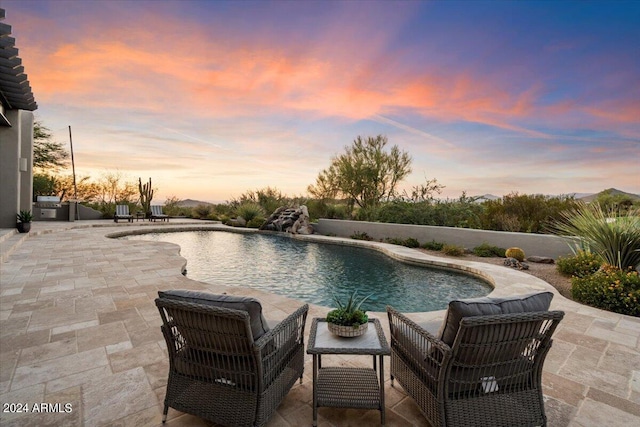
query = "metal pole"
x=73 y=167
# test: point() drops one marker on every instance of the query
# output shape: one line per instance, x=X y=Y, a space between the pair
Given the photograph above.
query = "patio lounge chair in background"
x=156 y=213
x=484 y=369
x=122 y=212
x=225 y=364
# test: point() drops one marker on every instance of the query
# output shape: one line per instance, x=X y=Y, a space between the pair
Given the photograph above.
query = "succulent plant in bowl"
x=348 y=319
x=24 y=219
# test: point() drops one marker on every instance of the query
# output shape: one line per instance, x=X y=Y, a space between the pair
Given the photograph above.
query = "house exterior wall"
x=16 y=186
x=532 y=244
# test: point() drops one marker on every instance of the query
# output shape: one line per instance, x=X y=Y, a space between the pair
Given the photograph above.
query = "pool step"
x=9 y=241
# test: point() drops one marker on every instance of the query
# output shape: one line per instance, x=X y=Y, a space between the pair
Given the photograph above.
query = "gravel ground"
x=546 y=272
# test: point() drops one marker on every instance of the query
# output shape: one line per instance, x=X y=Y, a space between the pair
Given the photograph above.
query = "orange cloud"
x=337 y=76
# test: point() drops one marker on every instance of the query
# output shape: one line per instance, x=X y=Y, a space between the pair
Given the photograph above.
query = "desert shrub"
x=487 y=250
x=516 y=253
x=453 y=250
x=524 y=212
x=433 y=245
x=255 y=222
x=611 y=289
x=613 y=236
x=582 y=264
x=268 y=198
x=462 y=212
x=202 y=211
x=249 y=211
x=336 y=211
x=411 y=243
x=361 y=236
x=223 y=209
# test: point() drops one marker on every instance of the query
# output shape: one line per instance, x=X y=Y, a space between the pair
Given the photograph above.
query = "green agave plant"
x=612 y=237
x=24 y=216
x=349 y=313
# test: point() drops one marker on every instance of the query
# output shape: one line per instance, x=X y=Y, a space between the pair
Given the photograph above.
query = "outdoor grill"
x=49 y=208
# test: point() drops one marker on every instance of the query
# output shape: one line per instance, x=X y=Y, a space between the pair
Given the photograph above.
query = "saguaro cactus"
x=146 y=195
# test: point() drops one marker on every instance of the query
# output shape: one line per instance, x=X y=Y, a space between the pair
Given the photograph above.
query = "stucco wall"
x=16 y=187
x=532 y=244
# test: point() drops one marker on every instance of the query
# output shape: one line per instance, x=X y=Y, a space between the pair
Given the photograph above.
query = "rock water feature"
x=290 y=220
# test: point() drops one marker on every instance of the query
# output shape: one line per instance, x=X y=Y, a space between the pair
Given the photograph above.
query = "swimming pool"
x=314 y=272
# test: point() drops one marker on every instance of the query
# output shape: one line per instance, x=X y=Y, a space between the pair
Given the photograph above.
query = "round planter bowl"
x=24 y=227
x=347 y=331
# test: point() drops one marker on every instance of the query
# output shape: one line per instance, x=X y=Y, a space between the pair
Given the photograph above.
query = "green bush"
x=610 y=289
x=394 y=240
x=487 y=250
x=336 y=212
x=202 y=211
x=462 y=212
x=453 y=250
x=433 y=246
x=582 y=264
x=255 y=222
x=411 y=243
x=249 y=211
x=527 y=213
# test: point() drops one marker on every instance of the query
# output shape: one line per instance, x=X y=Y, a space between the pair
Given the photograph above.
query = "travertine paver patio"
x=78 y=326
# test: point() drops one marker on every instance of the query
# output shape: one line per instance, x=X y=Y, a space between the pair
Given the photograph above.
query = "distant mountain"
x=610 y=191
x=585 y=197
x=190 y=203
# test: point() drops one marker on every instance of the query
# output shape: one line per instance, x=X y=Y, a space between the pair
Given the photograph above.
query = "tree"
x=365 y=174
x=47 y=154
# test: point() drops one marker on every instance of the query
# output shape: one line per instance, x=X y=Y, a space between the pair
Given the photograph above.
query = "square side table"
x=344 y=387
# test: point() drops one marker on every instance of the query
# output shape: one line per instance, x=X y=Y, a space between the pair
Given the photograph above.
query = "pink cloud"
x=218 y=73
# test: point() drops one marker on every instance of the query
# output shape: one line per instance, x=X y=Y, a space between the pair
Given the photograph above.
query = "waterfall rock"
x=290 y=220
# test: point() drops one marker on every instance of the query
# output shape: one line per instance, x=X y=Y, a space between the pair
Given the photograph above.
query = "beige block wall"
x=532 y=244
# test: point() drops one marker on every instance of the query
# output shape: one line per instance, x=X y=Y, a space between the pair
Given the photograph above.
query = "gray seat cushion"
x=252 y=306
x=488 y=306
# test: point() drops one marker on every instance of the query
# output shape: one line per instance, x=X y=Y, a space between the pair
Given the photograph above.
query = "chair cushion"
x=487 y=306
x=252 y=306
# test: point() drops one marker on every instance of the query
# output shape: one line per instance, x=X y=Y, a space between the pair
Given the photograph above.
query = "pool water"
x=315 y=272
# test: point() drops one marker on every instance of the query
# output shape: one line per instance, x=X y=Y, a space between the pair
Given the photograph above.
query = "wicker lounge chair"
x=156 y=213
x=484 y=370
x=217 y=370
x=122 y=212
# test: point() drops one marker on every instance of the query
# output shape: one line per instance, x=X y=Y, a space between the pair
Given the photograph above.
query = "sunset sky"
x=213 y=98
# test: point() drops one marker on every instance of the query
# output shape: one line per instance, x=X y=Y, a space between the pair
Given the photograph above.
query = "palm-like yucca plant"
x=612 y=237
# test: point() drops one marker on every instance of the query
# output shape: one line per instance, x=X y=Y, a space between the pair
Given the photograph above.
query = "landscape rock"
x=541 y=260
x=238 y=222
x=514 y=263
x=290 y=220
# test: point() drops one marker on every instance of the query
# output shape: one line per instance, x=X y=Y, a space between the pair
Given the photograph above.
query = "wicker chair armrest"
x=427 y=355
x=419 y=331
x=276 y=348
x=291 y=326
